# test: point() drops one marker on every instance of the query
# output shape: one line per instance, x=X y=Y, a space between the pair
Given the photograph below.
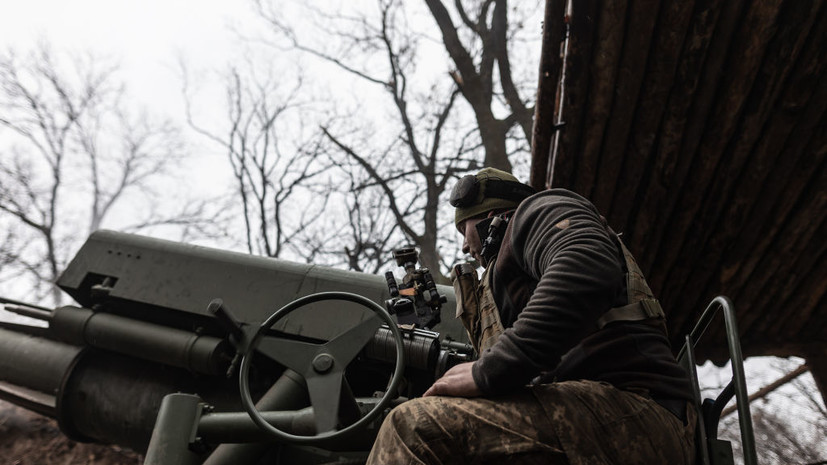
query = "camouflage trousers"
x=575 y=422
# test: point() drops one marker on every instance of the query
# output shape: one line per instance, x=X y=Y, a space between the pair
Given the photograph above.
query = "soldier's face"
x=471 y=244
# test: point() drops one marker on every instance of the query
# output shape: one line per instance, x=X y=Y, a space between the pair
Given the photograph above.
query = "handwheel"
x=322 y=365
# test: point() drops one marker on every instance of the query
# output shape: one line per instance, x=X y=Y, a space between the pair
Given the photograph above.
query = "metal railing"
x=710 y=411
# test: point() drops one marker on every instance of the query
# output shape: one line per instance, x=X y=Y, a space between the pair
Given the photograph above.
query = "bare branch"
x=271 y=166
x=70 y=133
x=381 y=181
x=500 y=50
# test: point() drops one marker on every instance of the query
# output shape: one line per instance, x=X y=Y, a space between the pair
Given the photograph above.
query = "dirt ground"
x=27 y=438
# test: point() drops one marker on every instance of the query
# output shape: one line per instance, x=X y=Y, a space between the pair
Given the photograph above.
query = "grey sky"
x=146 y=37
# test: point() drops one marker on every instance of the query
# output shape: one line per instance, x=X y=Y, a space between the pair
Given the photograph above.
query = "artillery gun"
x=183 y=339
x=301 y=370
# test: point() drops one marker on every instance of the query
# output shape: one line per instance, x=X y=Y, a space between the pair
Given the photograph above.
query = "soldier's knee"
x=401 y=418
x=394 y=419
x=413 y=417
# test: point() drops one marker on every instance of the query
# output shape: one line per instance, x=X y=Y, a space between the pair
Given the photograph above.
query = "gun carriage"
x=169 y=327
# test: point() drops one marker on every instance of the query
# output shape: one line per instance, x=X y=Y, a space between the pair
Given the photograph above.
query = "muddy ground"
x=27 y=438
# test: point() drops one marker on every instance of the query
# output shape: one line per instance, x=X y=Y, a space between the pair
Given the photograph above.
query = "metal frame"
x=709 y=411
x=185 y=423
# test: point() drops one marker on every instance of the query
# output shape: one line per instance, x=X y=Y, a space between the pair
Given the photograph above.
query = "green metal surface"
x=324 y=380
x=288 y=393
x=159 y=280
x=144 y=329
x=147 y=341
x=175 y=432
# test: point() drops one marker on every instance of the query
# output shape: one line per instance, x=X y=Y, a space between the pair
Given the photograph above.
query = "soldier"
x=574 y=363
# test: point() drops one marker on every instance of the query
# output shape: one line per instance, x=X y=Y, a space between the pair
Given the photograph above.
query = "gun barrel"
x=32 y=370
x=141 y=339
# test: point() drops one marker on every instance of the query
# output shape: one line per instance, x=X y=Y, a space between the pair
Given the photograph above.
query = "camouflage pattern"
x=454 y=430
x=597 y=423
x=476 y=306
x=575 y=422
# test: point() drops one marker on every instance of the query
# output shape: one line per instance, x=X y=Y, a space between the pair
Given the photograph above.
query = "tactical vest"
x=481 y=317
x=476 y=307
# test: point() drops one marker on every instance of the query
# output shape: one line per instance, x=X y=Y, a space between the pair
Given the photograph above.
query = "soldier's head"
x=479 y=196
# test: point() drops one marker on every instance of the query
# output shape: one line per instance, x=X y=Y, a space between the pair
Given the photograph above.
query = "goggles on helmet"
x=466 y=190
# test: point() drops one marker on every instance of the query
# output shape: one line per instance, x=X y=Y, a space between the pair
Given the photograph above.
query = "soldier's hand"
x=456 y=382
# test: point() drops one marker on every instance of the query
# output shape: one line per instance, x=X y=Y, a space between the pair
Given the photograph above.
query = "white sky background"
x=147 y=39
x=150 y=39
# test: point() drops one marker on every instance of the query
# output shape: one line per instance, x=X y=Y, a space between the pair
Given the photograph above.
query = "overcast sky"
x=146 y=37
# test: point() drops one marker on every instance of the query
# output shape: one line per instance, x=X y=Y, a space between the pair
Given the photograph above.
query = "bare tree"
x=364 y=237
x=274 y=164
x=432 y=139
x=780 y=436
x=788 y=415
x=71 y=152
x=371 y=230
x=9 y=243
x=475 y=59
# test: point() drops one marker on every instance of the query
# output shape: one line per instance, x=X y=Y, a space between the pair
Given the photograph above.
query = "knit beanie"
x=482 y=203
